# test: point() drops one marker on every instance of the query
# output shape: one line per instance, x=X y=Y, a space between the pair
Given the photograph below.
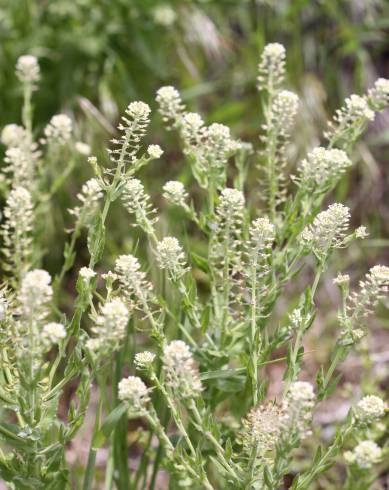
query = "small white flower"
x=132 y=279
x=94 y=344
x=232 y=199
x=89 y=196
x=134 y=391
x=59 y=130
x=300 y=401
x=262 y=233
x=144 y=359
x=35 y=293
x=378 y=96
x=82 y=148
x=301 y=393
x=283 y=111
x=181 y=372
x=352 y=117
x=87 y=273
x=21 y=166
x=164 y=15
x=271 y=67
x=322 y=167
x=263 y=427
x=328 y=229
x=13 y=135
x=357 y=107
x=138 y=109
x=155 y=151
x=53 y=332
x=111 y=324
x=192 y=123
x=342 y=280
x=370 y=408
x=364 y=455
x=175 y=193
x=170 y=256
x=27 y=69
x=296 y=318
x=361 y=232
x=137 y=202
x=170 y=104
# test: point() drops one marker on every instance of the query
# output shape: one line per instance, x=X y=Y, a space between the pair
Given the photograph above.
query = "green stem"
x=90 y=468
x=254 y=334
x=27 y=108
x=219 y=449
x=305 y=480
x=336 y=358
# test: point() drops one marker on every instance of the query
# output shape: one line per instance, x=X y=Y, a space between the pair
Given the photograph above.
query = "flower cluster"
x=342 y=280
x=300 y=400
x=219 y=145
x=208 y=148
x=192 y=130
x=13 y=135
x=109 y=326
x=171 y=257
x=370 y=408
x=372 y=289
x=35 y=294
x=378 y=95
x=170 y=105
x=19 y=166
x=328 y=230
x=154 y=151
x=86 y=273
x=364 y=455
x=27 y=69
x=143 y=360
x=262 y=233
x=53 y=333
x=164 y=15
x=135 y=392
x=182 y=375
x=263 y=427
x=226 y=237
x=133 y=128
x=283 y=112
x=17 y=229
x=135 y=287
x=174 y=192
x=361 y=303
x=322 y=169
x=59 y=130
x=257 y=251
x=271 y=67
x=350 y=120
x=89 y=196
x=137 y=202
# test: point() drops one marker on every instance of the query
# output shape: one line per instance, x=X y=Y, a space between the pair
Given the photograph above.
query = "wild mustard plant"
x=201 y=390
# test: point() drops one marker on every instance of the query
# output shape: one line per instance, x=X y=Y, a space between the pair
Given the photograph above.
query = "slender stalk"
x=305 y=480
x=89 y=472
x=254 y=333
x=219 y=449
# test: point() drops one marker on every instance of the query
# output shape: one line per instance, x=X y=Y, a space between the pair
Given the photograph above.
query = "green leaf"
x=200 y=262
x=268 y=477
x=108 y=426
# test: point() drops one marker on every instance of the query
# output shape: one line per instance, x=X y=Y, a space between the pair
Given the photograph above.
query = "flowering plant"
x=202 y=393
